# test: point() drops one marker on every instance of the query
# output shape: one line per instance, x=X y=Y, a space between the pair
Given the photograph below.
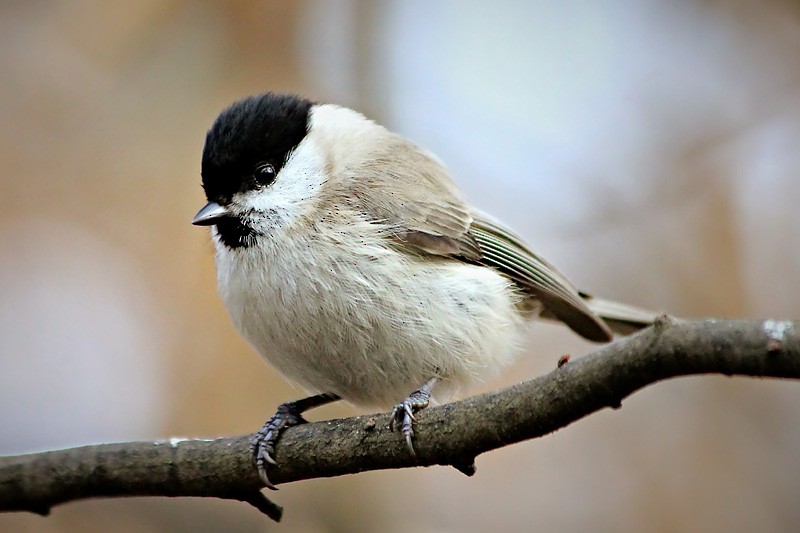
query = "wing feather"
x=506 y=252
x=427 y=214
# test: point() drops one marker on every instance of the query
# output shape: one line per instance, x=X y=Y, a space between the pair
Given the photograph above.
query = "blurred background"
x=649 y=149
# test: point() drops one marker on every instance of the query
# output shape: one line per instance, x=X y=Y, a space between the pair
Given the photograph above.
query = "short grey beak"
x=210 y=214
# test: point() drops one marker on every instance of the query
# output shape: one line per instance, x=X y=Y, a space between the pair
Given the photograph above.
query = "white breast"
x=370 y=326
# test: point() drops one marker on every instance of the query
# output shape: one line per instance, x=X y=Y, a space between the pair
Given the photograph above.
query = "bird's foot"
x=262 y=447
x=403 y=413
x=289 y=414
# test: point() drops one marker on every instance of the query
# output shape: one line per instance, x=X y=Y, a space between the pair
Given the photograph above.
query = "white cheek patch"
x=292 y=194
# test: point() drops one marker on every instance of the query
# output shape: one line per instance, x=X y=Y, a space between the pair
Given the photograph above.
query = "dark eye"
x=265 y=173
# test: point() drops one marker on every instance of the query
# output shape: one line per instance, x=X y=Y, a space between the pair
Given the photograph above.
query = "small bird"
x=348 y=258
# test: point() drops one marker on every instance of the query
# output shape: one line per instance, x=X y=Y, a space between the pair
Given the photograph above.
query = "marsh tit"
x=352 y=263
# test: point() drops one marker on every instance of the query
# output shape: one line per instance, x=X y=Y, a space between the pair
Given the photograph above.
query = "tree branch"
x=452 y=434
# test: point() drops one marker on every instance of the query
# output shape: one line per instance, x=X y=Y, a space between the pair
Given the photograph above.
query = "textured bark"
x=452 y=434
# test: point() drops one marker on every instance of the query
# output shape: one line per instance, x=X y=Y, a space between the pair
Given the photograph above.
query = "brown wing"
x=410 y=191
x=418 y=198
x=503 y=250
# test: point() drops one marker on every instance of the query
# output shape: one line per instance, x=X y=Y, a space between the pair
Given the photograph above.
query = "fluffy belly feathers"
x=371 y=328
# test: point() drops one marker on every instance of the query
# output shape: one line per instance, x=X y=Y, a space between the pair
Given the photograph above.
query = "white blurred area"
x=649 y=149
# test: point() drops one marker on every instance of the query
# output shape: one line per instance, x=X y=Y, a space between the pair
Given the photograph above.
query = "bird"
x=349 y=259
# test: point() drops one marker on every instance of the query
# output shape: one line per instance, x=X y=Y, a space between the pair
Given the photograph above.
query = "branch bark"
x=452 y=434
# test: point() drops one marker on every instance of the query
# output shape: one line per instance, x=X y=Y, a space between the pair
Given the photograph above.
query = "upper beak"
x=210 y=214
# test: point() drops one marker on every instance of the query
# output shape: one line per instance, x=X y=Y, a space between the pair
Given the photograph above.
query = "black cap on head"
x=257 y=129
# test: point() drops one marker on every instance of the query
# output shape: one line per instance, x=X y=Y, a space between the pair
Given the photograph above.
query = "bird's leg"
x=403 y=413
x=288 y=414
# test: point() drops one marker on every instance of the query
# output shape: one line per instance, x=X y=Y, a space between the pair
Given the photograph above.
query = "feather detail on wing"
x=506 y=252
x=409 y=191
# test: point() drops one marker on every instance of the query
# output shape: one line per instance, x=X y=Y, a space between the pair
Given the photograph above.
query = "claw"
x=410 y=443
x=262 y=473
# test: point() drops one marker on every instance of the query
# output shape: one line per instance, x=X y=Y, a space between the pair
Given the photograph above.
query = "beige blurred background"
x=650 y=149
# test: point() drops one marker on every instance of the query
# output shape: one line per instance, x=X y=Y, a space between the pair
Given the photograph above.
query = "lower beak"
x=210 y=214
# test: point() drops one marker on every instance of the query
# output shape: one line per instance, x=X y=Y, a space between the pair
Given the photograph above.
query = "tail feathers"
x=622 y=318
